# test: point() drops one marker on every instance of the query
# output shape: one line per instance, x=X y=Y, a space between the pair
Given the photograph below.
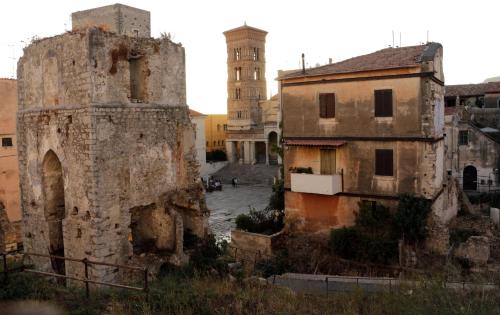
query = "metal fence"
x=86 y=263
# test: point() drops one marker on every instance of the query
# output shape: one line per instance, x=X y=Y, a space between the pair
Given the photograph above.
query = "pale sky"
x=468 y=30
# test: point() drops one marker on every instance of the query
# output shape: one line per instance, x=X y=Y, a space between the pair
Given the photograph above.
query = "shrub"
x=266 y=221
x=305 y=170
x=458 y=236
x=374 y=218
x=277 y=200
x=410 y=221
x=352 y=243
x=207 y=253
x=216 y=156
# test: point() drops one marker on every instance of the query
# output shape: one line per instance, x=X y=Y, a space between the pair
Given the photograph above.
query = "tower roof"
x=244 y=27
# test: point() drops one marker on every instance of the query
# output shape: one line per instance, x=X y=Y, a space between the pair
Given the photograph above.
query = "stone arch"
x=470 y=178
x=272 y=138
x=54 y=206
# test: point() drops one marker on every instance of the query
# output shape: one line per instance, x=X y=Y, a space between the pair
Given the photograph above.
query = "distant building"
x=368 y=128
x=215 y=132
x=253 y=127
x=473 y=135
x=9 y=169
x=201 y=149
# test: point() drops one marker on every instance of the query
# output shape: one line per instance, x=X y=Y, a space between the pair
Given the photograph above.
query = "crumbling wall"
x=117 y=158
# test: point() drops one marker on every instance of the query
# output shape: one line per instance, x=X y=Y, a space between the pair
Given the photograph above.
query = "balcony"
x=316 y=184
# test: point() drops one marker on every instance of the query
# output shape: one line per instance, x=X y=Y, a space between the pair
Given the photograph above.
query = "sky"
x=468 y=30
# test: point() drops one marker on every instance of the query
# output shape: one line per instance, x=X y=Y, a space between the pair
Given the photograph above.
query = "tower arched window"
x=237 y=94
x=237 y=73
x=237 y=53
x=255 y=54
x=256 y=73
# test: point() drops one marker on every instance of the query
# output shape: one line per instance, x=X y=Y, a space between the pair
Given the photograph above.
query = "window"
x=383 y=103
x=463 y=137
x=327 y=105
x=218 y=127
x=237 y=73
x=225 y=127
x=256 y=74
x=255 y=54
x=137 y=79
x=6 y=142
x=383 y=162
x=215 y=143
x=238 y=94
x=207 y=144
x=237 y=53
x=238 y=114
x=327 y=161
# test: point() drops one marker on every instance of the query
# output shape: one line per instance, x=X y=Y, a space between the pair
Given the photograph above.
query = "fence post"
x=87 y=290
x=146 y=284
x=326 y=280
x=5 y=271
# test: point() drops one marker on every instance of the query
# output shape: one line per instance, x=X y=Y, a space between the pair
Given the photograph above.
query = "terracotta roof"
x=388 y=58
x=194 y=113
x=315 y=142
x=472 y=89
x=244 y=27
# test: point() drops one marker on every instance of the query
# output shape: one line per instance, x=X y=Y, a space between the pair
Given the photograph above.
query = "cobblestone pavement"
x=225 y=205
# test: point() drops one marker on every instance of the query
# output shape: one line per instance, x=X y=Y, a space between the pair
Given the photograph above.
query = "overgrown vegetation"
x=267 y=221
x=493 y=199
x=458 y=236
x=174 y=294
x=375 y=235
x=277 y=199
x=216 y=156
x=304 y=170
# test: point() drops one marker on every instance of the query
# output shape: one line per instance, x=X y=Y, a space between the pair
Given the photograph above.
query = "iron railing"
x=86 y=262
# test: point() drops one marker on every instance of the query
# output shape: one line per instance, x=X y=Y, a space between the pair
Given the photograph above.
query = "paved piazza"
x=227 y=204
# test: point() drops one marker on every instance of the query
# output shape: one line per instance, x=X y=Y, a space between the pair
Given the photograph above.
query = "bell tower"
x=246 y=81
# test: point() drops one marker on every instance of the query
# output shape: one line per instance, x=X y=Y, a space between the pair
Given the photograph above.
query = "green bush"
x=351 y=243
x=267 y=221
x=305 y=170
x=277 y=200
x=207 y=253
x=410 y=221
x=374 y=219
x=216 y=156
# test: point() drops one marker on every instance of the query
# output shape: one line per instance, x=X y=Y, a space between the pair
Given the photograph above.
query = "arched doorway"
x=54 y=211
x=273 y=145
x=470 y=178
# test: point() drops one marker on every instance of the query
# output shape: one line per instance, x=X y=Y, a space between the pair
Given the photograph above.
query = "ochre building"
x=215 y=132
x=369 y=128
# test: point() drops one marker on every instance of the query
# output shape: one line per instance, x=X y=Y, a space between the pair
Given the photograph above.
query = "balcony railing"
x=317 y=184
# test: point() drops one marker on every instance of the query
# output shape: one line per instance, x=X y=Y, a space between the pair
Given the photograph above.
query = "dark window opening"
x=450 y=101
x=327 y=105
x=255 y=54
x=238 y=94
x=137 y=80
x=225 y=127
x=463 y=137
x=237 y=53
x=7 y=142
x=383 y=103
x=384 y=162
x=237 y=73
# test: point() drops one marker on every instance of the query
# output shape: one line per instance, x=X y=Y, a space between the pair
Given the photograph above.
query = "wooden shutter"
x=383 y=103
x=384 y=162
x=330 y=105
x=322 y=105
x=327 y=105
x=328 y=166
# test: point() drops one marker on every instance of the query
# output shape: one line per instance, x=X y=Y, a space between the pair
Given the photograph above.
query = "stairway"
x=258 y=174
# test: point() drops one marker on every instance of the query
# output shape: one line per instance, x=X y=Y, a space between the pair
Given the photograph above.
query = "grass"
x=175 y=293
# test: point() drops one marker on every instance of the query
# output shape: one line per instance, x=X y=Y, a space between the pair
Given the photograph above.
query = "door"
x=470 y=178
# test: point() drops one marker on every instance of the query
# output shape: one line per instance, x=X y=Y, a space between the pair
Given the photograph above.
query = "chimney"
x=330 y=61
x=303 y=64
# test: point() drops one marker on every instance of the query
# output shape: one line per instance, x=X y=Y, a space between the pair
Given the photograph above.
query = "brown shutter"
x=330 y=109
x=322 y=105
x=327 y=159
x=384 y=162
x=383 y=103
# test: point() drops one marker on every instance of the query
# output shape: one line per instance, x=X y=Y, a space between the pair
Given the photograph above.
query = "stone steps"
x=248 y=174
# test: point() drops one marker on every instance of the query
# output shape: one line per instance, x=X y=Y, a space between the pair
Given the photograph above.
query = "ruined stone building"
x=365 y=129
x=253 y=121
x=108 y=166
x=473 y=135
x=10 y=209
